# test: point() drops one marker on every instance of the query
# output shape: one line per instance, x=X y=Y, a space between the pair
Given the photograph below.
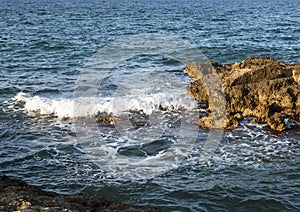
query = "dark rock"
x=16 y=195
x=147 y=149
x=258 y=87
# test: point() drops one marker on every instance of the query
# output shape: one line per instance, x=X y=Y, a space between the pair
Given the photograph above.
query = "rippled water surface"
x=153 y=154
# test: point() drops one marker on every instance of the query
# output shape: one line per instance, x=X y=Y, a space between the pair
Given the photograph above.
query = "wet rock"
x=16 y=195
x=147 y=149
x=107 y=119
x=258 y=87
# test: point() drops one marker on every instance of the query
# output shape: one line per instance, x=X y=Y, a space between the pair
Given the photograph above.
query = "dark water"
x=44 y=46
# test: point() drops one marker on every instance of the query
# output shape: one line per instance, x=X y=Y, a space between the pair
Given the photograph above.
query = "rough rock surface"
x=258 y=87
x=16 y=195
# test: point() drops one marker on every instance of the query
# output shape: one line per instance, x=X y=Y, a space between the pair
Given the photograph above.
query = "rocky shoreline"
x=16 y=195
x=266 y=90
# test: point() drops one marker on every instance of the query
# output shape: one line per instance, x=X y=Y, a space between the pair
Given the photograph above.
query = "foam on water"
x=91 y=106
x=247 y=146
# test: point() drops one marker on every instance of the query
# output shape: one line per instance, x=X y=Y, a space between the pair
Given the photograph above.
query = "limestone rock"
x=296 y=75
x=16 y=195
x=258 y=87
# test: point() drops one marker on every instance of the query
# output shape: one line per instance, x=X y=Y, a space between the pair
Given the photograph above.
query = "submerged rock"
x=258 y=87
x=16 y=195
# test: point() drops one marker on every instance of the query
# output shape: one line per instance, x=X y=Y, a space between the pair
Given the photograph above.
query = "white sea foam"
x=90 y=106
x=43 y=106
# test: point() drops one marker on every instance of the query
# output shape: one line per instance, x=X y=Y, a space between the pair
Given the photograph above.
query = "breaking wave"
x=91 y=106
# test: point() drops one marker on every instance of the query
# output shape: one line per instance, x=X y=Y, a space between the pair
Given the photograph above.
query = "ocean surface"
x=65 y=66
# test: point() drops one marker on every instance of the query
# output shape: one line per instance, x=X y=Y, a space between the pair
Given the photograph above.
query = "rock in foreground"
x=16 y=195
x=258 y=87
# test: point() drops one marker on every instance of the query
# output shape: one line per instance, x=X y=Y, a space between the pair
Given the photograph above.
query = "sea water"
x=58 y=74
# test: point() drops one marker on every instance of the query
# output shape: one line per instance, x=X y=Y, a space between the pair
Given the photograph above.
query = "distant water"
x=44 y=48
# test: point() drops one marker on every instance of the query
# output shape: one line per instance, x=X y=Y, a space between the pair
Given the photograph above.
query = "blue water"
x=44 y=49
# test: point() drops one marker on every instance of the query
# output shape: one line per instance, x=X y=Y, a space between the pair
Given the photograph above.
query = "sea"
x=93 y=100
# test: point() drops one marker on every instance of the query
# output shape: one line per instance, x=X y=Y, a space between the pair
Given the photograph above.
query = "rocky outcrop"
x=258 y=87
x=16 y=195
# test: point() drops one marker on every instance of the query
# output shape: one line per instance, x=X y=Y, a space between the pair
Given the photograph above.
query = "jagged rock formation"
x=16 y=195
x=258 y=87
